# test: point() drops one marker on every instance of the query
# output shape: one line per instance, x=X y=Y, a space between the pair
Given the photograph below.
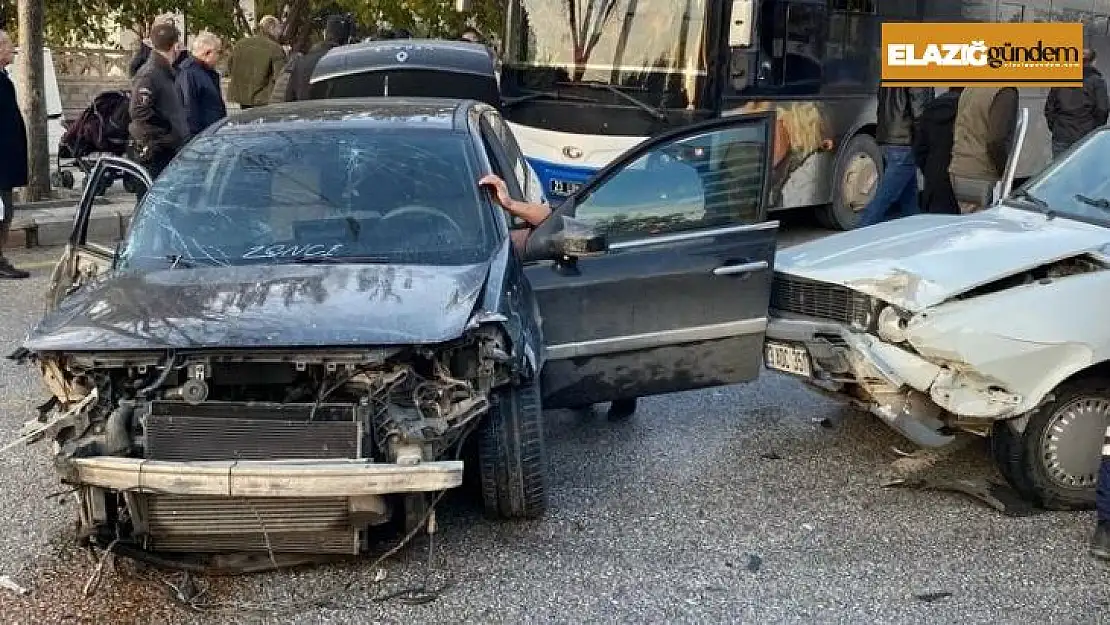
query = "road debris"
x=9 y=584
x=930 y=597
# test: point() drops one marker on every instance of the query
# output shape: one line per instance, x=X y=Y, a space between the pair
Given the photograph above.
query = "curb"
x=56 y=232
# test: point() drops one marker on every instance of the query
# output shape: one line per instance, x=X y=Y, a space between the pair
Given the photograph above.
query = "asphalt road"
x=728 y=505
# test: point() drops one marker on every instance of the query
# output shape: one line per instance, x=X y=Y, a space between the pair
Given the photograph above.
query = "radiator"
x=219 y=524
x=177 y=431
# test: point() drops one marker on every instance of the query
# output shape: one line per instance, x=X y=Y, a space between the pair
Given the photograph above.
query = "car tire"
x=839 y=214
x=512 y=457
x=1048 y=462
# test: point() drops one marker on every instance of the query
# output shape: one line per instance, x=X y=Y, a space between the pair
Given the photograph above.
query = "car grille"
x=790 y=294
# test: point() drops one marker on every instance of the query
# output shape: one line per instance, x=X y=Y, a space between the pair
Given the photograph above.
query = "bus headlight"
x=892 y=324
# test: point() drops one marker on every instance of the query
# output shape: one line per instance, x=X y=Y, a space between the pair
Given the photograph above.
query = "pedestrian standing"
x=158 y=126
x=255 y=64
x=986 y=119
x=1072 y=112
x=13 y=154
x=143 y=53
x=293 y=84
x=1100 y=542
x=932 y=152
x=899 y=110
x=199 y=83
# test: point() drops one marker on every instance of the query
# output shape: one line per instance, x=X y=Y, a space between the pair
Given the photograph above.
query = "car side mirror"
x=560 y=236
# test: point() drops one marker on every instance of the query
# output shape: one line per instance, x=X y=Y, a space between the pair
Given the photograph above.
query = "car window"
x=257 y=196
x=1075 y=185
x=522 y=169
x=708 y=180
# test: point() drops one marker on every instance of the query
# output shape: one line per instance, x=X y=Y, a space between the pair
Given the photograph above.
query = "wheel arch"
x=1063 y=375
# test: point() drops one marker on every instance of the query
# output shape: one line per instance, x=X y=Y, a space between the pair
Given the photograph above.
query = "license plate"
x=787 y=358
x=564 y=187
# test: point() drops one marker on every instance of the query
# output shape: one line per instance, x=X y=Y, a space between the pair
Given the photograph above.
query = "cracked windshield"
x=619 y=42
x=314 y=195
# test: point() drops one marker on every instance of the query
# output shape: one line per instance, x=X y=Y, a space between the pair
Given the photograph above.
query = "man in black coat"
x=158 y=126
x=1072 y=112
x=293 y=84
x=143 y=53
x=13 y=154
x=932 y=151
x=199 y=83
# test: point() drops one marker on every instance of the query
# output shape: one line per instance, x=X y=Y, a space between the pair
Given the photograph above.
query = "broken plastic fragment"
x=9 y=584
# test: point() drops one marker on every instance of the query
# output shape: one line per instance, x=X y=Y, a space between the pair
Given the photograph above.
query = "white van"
x=54 y=114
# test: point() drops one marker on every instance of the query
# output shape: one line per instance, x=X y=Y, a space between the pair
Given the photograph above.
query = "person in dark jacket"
x=293 y=84
x=143 y=53
x=13 y=154
x=1072 y=112
x=899 y=110
x=255 y=64
x=199 y=83
x=1100 y=542
x=158 y=126
x=932 y=152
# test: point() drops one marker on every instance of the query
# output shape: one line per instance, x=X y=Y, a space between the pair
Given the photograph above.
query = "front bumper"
x=912 y=395
x=269 y=478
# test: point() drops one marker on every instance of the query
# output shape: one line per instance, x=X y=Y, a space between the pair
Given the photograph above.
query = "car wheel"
x=512 y=456
x=1055 y=461
x=858 y=171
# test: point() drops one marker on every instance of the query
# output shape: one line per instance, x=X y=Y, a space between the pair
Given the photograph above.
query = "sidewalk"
x=49 y=223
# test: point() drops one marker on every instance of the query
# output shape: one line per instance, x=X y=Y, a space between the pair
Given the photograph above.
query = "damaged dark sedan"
x=316 y=305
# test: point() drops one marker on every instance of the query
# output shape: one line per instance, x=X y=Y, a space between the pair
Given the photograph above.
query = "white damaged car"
x=995 y=323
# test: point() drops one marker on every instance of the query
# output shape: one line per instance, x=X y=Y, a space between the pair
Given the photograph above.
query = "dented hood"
x=265 y=306
x=921 y=261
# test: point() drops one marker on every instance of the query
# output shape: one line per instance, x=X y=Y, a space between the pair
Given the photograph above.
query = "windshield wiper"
x=177 y=260
x=1101 y=202
x=547 y=95
x=644 y=106
x=1041 y=205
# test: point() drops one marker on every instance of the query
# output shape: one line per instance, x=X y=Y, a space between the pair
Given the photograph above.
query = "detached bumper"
x=906 y=391
x=284 y=479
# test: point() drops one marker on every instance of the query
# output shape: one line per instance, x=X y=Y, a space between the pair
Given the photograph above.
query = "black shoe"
x=7 y=272
x=1100 y=542
x=622 y=409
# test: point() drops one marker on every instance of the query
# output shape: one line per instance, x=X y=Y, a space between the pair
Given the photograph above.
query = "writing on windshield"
x=248 y=196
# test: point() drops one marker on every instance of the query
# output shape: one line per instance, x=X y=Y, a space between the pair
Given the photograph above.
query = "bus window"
x=805 y=39
x=792 y=45
x=850 y=59
x=1010 y=12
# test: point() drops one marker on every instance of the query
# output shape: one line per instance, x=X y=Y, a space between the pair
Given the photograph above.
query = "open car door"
x=679 y=300
x=92 y=251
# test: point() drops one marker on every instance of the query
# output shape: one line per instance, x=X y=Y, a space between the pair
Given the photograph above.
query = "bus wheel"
x=858 y=170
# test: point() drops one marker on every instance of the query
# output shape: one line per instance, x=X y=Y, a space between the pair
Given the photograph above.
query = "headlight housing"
x=891 y=325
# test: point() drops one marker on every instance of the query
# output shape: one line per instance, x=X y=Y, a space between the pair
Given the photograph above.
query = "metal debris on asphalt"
x=929 y=597
x=754 y=563
x=9 y=584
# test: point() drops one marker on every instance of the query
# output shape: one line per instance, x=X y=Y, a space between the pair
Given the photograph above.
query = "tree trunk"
x=32 y=98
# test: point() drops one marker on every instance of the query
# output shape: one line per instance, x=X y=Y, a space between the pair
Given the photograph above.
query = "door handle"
x=740 y=268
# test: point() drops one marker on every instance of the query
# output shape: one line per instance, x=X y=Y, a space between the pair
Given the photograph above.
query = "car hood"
x=265 y=307
x=921 y=261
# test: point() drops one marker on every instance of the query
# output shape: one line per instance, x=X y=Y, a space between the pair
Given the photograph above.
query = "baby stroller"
x=101 y=129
